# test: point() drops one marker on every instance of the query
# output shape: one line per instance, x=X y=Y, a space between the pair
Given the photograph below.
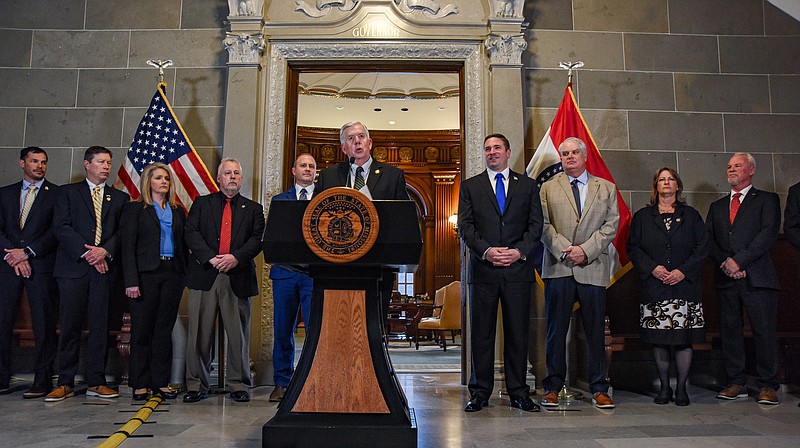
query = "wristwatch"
x=27 y=251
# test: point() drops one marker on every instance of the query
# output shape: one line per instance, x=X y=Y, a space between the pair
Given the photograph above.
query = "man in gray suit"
x=580 y=222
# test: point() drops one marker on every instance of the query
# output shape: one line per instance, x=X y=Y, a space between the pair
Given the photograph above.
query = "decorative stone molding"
x=245 y=8
x=506 y=50
x=322 y=8
x=430 y=8
x=506 y=8
x=244 y=49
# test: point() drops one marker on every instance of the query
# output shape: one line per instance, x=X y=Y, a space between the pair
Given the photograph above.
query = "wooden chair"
x=448 y=318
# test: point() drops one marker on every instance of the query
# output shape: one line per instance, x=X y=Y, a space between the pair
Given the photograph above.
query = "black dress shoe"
x=38 y=391
x=165 y=395
x=194 y=396
x=476 y=404
x=663 y=397
x=140 y=397
x=5 y=389
x=525 y=404
x=682 y=398
x=240 y=396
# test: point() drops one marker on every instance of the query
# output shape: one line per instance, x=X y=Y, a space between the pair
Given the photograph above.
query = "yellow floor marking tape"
x=132 y=425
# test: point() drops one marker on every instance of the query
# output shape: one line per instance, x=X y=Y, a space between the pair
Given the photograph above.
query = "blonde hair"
x=144 y=185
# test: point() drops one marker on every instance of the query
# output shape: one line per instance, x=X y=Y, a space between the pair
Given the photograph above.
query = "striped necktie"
x=97 y=200
x=359 y=182
x=26 y=208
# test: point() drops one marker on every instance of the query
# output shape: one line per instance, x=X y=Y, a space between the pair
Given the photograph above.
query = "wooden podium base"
x=344 y=391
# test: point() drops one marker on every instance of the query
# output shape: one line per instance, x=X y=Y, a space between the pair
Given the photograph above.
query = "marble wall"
x=73 y=74
x=679 y=83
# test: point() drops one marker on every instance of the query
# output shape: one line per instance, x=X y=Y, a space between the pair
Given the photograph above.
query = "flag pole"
x=565 y=394
x=160 y=65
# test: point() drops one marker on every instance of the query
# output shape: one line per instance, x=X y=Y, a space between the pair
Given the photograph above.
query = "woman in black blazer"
x=154 y=265
x=668 y=246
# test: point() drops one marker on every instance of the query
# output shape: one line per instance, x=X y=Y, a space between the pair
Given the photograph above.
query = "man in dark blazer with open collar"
x=221 y=280
x=291 y=287
x=29 y=253
x=383 y=181
x=742 y=236
x=500 y=220
x=87 y=265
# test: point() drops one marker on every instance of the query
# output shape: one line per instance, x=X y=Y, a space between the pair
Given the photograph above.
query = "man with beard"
x=743 y=226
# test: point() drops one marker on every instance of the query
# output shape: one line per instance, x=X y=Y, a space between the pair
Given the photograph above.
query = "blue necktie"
x=500 y=192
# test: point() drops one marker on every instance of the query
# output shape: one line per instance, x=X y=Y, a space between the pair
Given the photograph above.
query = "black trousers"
x=84 y=299
x=560 y=295
x=515 y=300
x=153 y=317
x=761 y=306
x=41 y=298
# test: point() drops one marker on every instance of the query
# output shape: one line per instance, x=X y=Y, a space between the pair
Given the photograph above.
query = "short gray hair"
x=350 y=125
x=580 y=143
x=227 y=159
x=750 y=159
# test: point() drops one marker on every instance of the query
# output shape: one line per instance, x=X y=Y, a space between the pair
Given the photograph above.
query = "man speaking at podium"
x=360 y=170
x=378 y=181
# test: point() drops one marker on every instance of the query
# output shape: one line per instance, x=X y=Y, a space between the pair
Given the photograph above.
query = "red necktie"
x=735 y=203
x=225 y=229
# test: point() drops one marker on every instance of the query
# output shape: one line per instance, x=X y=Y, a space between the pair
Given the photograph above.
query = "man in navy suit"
x=500 y=220
x=223 y=231
x=86 y=224
x=743 y=226
x=291 y=287
x=26 y=236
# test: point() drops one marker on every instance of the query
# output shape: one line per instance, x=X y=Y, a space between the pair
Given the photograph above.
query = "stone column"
x=505 y=45
x=242 y=141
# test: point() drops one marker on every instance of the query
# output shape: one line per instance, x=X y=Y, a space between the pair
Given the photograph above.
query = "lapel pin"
x=377 y=171
x=677 y=219
x=242 y=205
x=515 y=177
x=46 y=187
x=108 y=197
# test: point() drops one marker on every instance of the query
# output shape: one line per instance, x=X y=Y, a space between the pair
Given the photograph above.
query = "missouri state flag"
x=546 y=163
x=161 y=138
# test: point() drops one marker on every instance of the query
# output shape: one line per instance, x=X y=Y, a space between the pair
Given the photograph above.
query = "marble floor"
x=437 y=399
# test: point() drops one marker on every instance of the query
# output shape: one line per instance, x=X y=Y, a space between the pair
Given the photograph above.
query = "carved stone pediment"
x=321 y=8
x=430 y=8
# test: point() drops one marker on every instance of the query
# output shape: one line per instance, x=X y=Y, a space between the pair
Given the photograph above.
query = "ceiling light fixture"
x=392 y=122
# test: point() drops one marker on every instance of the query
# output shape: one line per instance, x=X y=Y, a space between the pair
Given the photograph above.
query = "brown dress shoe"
x=102 y=392
x=767 y=395
x=60 y=393
x=602 y=400
x=277 y=394
x=733 y=392
x=550 y=399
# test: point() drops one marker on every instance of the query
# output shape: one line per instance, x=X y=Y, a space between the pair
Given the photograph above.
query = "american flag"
x=546 y=163
x=160 y=138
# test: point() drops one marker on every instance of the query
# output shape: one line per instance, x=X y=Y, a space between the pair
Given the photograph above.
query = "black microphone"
x=350 y=162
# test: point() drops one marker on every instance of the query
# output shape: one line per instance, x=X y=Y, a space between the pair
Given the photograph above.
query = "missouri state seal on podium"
x=340 y=225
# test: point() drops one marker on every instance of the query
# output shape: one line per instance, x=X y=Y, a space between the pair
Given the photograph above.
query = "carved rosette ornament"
x=506 y=50
x=244 y=49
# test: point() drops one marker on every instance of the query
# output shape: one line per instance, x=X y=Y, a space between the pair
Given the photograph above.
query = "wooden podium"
x=344 y=391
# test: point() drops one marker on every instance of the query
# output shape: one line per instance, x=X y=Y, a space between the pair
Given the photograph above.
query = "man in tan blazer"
x=580 y=222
